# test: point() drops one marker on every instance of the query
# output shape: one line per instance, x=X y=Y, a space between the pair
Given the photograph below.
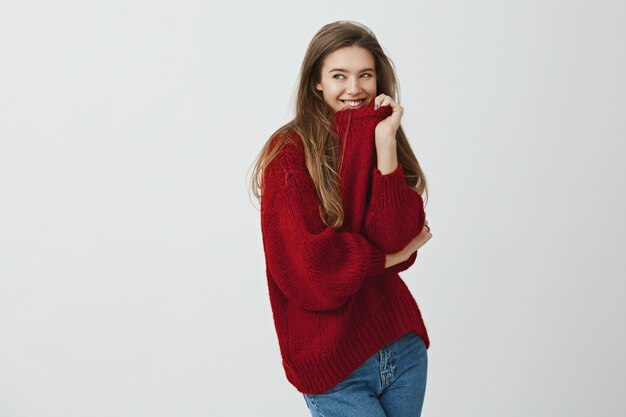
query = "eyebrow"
x=343 y=70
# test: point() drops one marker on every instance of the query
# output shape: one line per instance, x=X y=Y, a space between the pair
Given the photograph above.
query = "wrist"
x=385 y=151
x=392 y=259
x=385 y=143
x=387 y=169
x=387 y=164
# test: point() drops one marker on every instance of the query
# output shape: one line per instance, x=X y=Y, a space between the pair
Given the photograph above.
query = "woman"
x=341 y=216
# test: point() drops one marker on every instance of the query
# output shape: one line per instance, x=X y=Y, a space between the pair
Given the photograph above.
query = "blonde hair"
x=313 y=120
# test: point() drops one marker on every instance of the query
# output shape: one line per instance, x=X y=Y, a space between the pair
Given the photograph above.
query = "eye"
x=364 y=75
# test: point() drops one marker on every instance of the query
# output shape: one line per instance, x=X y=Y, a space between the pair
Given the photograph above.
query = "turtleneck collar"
x=343 y=117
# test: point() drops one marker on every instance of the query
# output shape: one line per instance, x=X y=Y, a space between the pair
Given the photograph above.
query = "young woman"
x=341 y=215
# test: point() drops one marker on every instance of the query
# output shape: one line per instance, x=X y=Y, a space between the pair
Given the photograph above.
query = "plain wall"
x=132 y=273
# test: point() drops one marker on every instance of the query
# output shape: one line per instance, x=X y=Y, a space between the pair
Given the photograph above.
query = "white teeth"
x=353 y=103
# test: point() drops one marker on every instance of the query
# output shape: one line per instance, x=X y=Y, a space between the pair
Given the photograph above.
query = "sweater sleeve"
x=314 y=265
x=395 y=214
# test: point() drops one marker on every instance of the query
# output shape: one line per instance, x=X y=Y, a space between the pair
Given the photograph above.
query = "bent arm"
x=395 y=214
x=314 y=265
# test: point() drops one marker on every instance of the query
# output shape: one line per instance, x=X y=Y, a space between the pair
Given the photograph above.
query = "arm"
x=395 y=214
x=314 y=265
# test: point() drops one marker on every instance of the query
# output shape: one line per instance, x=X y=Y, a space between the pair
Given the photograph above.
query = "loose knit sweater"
x=333 y=301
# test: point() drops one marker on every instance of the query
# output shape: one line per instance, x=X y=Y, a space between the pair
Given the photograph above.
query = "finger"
x=383 y=100
x=378 y=101
x=387 y=101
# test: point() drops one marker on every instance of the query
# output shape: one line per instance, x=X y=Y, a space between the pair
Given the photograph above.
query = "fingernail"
x=376 y=106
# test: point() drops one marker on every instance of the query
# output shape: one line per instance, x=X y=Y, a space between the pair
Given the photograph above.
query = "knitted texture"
x=333 y=302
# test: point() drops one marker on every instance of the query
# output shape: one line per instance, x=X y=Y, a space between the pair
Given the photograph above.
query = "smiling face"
x=348 y=78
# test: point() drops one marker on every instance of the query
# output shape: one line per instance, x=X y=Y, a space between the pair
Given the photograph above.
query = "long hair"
x=313 y=120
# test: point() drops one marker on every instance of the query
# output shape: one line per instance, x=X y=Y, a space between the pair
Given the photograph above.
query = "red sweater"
x=334 y=304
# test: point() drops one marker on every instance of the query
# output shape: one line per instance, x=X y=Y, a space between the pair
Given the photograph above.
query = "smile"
x=353 y=103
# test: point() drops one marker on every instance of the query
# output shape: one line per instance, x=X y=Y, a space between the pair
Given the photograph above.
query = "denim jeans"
x=391 y=383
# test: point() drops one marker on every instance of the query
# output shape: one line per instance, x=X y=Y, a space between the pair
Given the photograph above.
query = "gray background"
x=132 y=276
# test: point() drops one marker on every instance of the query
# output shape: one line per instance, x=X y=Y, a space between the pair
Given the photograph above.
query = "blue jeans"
x=391 y=383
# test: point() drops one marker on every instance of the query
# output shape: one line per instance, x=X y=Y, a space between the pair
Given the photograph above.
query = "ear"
x=318 y=87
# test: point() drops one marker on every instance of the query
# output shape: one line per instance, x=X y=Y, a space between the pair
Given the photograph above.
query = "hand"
x=386 y=129
x=418 y=241
x=412 y=247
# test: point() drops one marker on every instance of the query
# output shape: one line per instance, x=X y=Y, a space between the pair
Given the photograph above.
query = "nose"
x=353 y=86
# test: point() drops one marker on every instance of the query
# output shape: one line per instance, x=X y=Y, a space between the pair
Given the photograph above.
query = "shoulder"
x=289 y=153
x=286 y=175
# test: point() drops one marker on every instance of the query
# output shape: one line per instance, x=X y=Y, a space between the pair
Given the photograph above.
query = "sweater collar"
x=343 y=117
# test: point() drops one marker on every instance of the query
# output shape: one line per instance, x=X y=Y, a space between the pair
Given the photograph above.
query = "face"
x=348 y=78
